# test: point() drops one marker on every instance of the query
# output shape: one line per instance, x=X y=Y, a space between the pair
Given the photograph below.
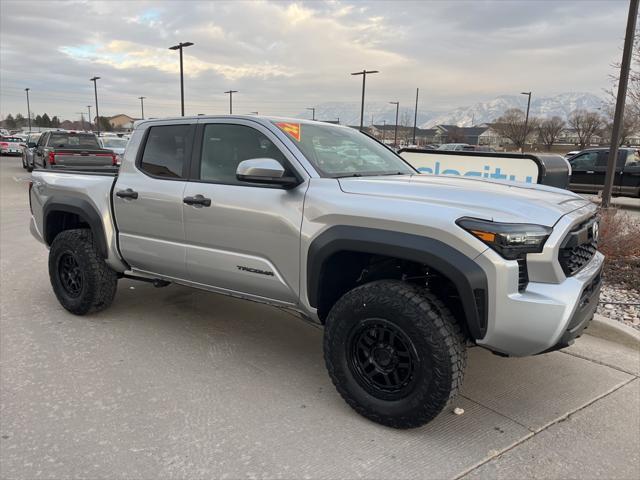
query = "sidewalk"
x=599 y=439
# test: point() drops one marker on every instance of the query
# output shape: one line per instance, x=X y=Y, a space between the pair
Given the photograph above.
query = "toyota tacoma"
x=404 y=271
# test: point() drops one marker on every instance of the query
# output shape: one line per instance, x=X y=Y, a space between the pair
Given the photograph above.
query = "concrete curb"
x=614 y=331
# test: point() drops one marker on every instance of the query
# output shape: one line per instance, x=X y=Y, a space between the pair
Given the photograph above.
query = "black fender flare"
x=84 y=210
x=468 y=277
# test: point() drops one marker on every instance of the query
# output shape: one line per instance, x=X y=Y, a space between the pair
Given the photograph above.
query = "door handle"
x=128 y=193
x=197 y=201
x=590 y=171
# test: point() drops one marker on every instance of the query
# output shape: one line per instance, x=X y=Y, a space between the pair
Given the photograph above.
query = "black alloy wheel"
x=382 y=358
x=70 y=274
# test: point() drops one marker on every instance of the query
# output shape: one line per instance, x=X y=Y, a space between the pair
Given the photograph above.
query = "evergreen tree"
x=20 y=121
x=46 y=121
x=105 y=125
x=10 y=122
x=55 y=121
x=39 y=121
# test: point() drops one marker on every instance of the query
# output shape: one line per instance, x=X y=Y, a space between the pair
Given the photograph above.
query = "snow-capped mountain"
x=544 y=107
x=561 y=105
x=349 y=113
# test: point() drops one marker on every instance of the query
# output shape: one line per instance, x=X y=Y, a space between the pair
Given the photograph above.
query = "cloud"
x=124 y=55
x=285 y=56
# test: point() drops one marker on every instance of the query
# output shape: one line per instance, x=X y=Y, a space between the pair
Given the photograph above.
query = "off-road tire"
x=98 y=282
x=429 y=326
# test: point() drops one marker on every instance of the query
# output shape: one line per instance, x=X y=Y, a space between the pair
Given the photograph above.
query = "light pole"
x=313 y=112
x=142 y=106
x=180 y=46
x=89 y=107
x=395 y=135
x=620 y=99
x=384 y=130
x=254 y=113
x=415 y=117
x=364 y=79
x=526 y=121
x=28 y=109
x=231 y=92
x=95 y=91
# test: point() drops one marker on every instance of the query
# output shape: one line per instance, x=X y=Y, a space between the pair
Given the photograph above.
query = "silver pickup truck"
x=403 y=270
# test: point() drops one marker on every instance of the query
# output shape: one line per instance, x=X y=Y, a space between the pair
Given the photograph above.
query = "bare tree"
x=404 y=132
x=455 y=135
x=549 y=130
x=586 y=124
x=511 y=125
x=630 y=124
x=632 y=102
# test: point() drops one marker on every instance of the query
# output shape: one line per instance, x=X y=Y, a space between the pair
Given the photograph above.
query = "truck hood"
x=498 y=201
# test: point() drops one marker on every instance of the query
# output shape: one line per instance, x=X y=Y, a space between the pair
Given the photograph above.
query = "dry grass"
x=619 y=234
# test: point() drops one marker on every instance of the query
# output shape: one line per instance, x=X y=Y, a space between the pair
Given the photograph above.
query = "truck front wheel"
x=81 y=280
x=394 y=352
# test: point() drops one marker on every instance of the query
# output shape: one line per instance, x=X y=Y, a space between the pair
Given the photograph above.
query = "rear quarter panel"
x=62 y=188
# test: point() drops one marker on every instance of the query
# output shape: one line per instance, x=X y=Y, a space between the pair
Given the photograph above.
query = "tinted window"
x=225 y=146
x=73 y=140
x=585 y=161
x=42 y=140
x=166 y=149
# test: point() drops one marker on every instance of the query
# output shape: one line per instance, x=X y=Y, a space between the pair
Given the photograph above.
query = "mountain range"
x=545 y=107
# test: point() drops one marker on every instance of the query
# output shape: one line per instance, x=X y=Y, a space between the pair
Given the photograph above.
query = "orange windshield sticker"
x=293 y=129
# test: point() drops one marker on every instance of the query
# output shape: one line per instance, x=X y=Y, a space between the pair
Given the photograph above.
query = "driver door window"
x=225 y=146
x=586 y=161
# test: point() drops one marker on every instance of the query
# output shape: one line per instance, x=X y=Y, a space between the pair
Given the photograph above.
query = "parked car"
x=402 y=270
x=10 y=145
x=571 y=153
x=589 y=167
x=116 y=144
x=455 y=147
x=64 y=149
x=4 y=132
x=28 y=149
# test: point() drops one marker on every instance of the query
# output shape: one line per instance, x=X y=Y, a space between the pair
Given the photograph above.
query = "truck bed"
x=87 y=192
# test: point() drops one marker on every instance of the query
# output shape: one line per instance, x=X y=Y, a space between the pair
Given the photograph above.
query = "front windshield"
x=343 y=152
x=114 y=142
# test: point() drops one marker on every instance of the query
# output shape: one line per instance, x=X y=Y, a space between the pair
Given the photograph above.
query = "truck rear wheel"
x=81 y=280
x=394 y=353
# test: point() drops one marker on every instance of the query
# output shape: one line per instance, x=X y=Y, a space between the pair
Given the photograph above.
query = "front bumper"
x=545 y=316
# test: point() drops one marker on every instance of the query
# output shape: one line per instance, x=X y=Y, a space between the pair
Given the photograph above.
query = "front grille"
x=578 y=248
x=523 y=274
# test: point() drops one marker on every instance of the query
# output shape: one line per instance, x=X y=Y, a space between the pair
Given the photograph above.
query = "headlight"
x=511 y=240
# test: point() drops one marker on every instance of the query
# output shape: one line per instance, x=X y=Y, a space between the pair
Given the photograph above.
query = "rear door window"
x=166 y=151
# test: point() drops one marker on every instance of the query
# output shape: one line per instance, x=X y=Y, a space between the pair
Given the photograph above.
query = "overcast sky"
x=284 y=57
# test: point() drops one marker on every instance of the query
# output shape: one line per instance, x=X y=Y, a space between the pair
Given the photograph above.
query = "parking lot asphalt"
x=178 y=383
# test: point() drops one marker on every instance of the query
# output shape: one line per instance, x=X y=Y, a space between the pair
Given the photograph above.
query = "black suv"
x=589 y=168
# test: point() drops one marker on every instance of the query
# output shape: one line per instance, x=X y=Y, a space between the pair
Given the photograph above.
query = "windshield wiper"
x=371 y=174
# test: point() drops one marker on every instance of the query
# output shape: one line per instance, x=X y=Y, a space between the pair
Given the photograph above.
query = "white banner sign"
x=495 y=168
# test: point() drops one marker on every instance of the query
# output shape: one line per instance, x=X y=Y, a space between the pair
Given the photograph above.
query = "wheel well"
x=345 y=270
x=59 y=221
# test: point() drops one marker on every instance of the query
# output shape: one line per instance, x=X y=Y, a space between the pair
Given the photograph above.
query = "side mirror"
x=264 y=170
